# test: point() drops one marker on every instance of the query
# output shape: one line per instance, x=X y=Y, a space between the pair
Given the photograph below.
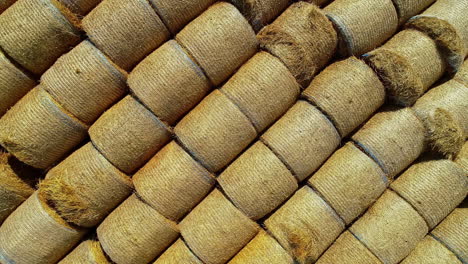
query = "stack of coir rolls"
x=210 y=141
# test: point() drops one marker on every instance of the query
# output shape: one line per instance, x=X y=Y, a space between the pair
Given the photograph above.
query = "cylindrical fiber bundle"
x=257 y=182
x=262 y=249
x=260 y=13
x=35 y=33
x=462 y=74
x=348 y=92
x=34 y=233
x=444 y=112
x=350 y=181
x=89 y=251
x=462 y=157
x=14 y=83
x=303 y=138
x=302 y=38
x=408 y=64
x=409 y=8
x=128 y=134
x=216 y=131
x=37 y=130
x=445 y=21
x=452 y=232
x=431 y=251
x=85 y=82
x=4 y=4
x=391 y=228
x=80 y=7
x=394 y=138
x=173 y=182
x=125 y=30
x=135 y=232
x=348 y=249
x=13 y=189
x=176 y=14
x=305 y=225
x=220 y=40
x=85 y=187
x=434 y=188
x=178 y=253
x=168 y=82
x=362 y=25
x=216 y=230
x=263 y=88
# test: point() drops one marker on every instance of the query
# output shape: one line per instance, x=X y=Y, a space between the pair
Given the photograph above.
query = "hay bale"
x=220 y=40
x=169 y=82
x=362 y=25
x=125 y=30
x=85 y=187
x=85 y=82
x=4 y=4
x=409 y=8
x=80 y=7
x=135 y=232
x=88 y=251
x=178 y=253
x=452 y=232
x=462 y=157
x=462 y=74
x=431 y=251
x=36 y=46
x=259 y=13
x=38 y=131
x=302 y=38
x=128 y=134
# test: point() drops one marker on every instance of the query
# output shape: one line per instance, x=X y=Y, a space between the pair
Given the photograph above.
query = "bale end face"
x=64 y=199
x=403 y=85
x=446 y=37
x=444 y=133
x=11 y=176
x=300 y=246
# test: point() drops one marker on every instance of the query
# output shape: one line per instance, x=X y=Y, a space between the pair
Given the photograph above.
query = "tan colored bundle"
x=431 y=251
x=350 y=181
x=125 y=30
x=257 y=182
x=168 y=82
x=263 y=89
x=362 y=25
x=216 y=131
x=262 y=249
x=38 y=131
x=36 y=45
x=348 y=92
x=409 y=8
x=4 y=4
x=452 y=232
x=173 y=182
x=85 y=82
x=14 y=83
x=445 y=22
x=260 y=13
x=14 y=185
x=408 y=64
x=216 y=230
x=302 y=38
x=303 y=138
x=462 y=75
x=80 y=7
x=462 y=157
x=306 y=225
x=178 y=253
x=176 y=14
x=220 y=52
x=444 y=113
x=85 y=187
x=34 y=233
x=89 y=251
x=128 y=134
x=135 y=232
x=394 y=138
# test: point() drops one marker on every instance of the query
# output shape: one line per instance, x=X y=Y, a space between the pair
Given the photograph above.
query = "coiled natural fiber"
x=37 y=45
x=178 y=253
x=125 y=30
x=431 y=251
x=128 y=134
x=4 y=4
x=34 y=233
x=14 y=83
x=462 y=157
x=89 y=251
x=211 y=41
x=38 y=131
x=260 y=12
x=409 y=8
x=302 y=38
x=85 y=82
x=462 y=75
x=80 y=7
x=452 y=232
